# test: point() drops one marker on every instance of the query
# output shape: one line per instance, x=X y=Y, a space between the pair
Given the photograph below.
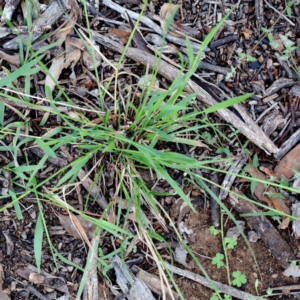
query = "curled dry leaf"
x=51 y=281
x=289 y=163
x=268 y=171
x=76 y=42
x=89 y=55
x=155 y=285
x=60 y=62
x=274 y=202
x=167 y=9
x=9 y=243
x=73 y=53
x=11 y=59
x=247 y=33
x=253 y=236
x=55 y=70
x=277 y=43
x=138 y=37
x=36 y=278
x=296 y=184
x=119 y=33
x=71 y=228
x=74 y=115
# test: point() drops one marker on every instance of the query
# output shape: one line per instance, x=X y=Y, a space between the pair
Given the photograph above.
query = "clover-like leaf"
x=218 y=260
x=239 y=278
x=213 y=230
x=230 y=243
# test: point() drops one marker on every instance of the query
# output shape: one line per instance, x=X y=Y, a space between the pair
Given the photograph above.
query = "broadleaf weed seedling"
x=221 y=260
x=238 y=277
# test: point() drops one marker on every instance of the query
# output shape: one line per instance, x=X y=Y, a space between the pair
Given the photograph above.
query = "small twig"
x=259 y=12
x=225 y=40
x=210 y=67
x=265 y=112
x=281 y=14
x=24 y=29
x=223 y=288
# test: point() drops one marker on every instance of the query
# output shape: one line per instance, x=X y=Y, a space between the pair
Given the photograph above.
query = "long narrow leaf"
x=17 y=207
x=22 y=71
x=38 y=241
x=227 y=103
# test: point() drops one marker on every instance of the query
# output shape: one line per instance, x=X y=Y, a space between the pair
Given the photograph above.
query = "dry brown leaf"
x=268 y=171
x=74 y=115
x=59 y=62
x=73 y=54
x=36 y=278
x=76 y=42
x=247 y=33
x=9 y=243
x=52 y=281
x=285 y=223
x=11 y=59
x=181 y=257
x=288 y=163
x=167 y=9
x=138 y=38
x=55 y=70
x=121 y=34
x=200 y=144
x=273 y=202
x=79 y=228
x=89 y=55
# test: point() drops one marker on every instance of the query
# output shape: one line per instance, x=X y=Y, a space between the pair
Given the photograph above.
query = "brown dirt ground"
x=240 y=258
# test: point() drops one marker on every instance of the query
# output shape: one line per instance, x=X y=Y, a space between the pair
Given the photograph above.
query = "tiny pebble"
x=253 y=236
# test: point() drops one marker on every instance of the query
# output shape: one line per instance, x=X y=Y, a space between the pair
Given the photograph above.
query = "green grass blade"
x=227 y=103
x=38 y=241
x=46 y=148
x=22 y=71
x=75 y=167
x=17 y=207
x=2 y=109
